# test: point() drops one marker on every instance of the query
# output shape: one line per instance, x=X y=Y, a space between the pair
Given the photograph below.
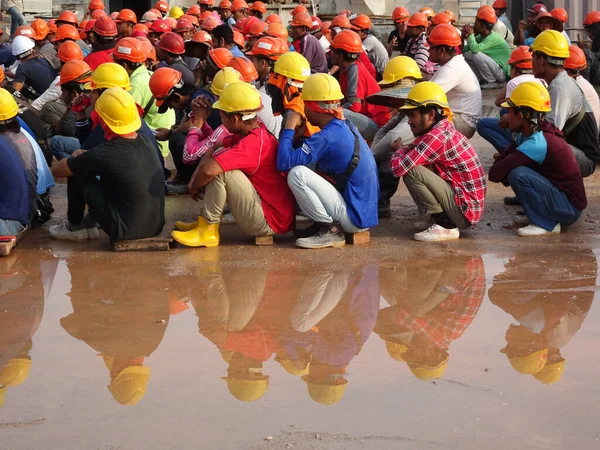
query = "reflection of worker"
x=432 y=306
x=22 y=306
x=121 y=312
x=550 y=306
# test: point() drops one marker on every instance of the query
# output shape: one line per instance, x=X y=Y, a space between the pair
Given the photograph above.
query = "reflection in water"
x=21 y=310
x=549 y=298
x=431 y=305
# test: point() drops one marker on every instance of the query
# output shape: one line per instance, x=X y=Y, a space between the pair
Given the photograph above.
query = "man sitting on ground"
x=309 y=46
x=539 y=166
x=441 y=169
x=375 y=49
x=574 y=64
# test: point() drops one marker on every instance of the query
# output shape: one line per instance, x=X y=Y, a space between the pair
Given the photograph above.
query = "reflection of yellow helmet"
x=530 y=364
x=290 y=368
x=531 y=95
x=325 y=394
x=15 y=372
x=426 y=93
x=293 y=65
x=399 y=68
x=2 y=395
x=129 y=387
x=551 y=373
x=109 y=75
x=551 y=43
x=176 y=12
x=226 y=355
x=396 y=350
x=428 y=373
x=8 y=105
x=247 y=390
x=223 y=78
x=321 y=87
x=119 y=111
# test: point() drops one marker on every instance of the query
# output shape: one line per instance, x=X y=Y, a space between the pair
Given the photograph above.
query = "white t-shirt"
x=591 y=95
x=462 y=89
x=52 y=94
x=506 y=34
x=514 y=82
x=273 y=123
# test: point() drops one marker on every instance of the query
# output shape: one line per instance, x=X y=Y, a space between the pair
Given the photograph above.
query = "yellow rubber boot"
x=185 y=226
x=204 y=235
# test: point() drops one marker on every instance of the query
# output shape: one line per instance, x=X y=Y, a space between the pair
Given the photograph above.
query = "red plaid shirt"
x=449 y=320
x=454 y=159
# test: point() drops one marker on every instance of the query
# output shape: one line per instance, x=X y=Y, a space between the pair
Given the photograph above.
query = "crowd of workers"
x=268 y=120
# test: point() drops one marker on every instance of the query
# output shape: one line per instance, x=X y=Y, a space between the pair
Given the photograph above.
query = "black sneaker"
x=511 y=201
x=330 y=235
x=307 y=232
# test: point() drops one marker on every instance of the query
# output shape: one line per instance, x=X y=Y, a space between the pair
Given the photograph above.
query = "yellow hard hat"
x=247 y=390
x=226 y=355
x=8 y=105
x=109 y=75
x=118 y=109
x=321 y=87
x=551 y=43
x=396 y=351
x=530 y=364
x=176 y=12
x=551 y=373
x=290 y=368
x=325 y=394
x=239 y=98
x=399 y=68
x=223 y=78
x=129 y=387
x=15 y=372
x=531 y=95
x=426 y=93
x=428 y=373
x=2 y=395
x=293 y=65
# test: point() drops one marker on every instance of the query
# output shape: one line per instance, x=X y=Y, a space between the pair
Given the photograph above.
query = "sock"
x=443 y=221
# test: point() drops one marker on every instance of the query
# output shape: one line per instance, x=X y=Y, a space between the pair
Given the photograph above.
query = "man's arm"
x=287 y=156
x=353 y=101
x=206 y=171
x=425 y=152
x=503 y=166
x=61 y=170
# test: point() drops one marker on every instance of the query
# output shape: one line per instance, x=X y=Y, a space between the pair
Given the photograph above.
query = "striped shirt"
x=418 y=49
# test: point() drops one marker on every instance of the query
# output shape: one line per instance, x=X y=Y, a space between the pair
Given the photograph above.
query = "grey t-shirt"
x=566 y=99
x=376 y=52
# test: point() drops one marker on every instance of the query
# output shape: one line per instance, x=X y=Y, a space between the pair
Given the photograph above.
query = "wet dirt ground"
x=487 y=342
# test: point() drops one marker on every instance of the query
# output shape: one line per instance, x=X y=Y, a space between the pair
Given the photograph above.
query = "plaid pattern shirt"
x=450 y=319
x=455 y=161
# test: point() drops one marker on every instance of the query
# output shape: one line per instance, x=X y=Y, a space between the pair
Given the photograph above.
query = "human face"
x=224 y=14
x=544 y=25
x=238 y=15
x=124 y=28
x=228 y=121
x=336 y=58
x=478 y=27
x=413 y=31
x=435 y=53
x=420 y=123
x=67 y=96
x=402 y=26
x=261 y=65
x=297 y=32
x=515 y=120
x=538 y=63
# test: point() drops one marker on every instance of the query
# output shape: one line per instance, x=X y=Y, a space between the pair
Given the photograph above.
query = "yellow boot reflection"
x=204 y=235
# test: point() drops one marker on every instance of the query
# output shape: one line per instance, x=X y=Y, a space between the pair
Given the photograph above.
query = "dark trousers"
x=388 y=184
x=82 y=192
x=184 y=171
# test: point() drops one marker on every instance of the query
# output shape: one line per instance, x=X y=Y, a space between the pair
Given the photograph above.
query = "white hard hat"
x=148 y=16
x=22 y=44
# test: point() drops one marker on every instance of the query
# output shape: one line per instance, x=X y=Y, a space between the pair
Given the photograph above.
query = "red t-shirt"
x=364 y=58
x=94 y=59
x=256 y=156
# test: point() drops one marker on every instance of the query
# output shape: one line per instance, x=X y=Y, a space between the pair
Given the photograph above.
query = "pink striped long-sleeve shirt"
x=198 y=141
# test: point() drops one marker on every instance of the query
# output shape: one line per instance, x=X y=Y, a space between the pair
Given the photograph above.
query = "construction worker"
x=43 y=46
x=453 y=193
x=243 y=174
x=376 y=51
x=128 y=201
x=574 y=64
x=487 y=53
x=33 y=71
x=399 y=77
x=169 y=50
x=206 y=5
x=348 y=202
x=592 y=28
x=417 y=46
x=223 y=38
x=571 y=112
x=163 y=7
x=308 y=46
x=540 y=166
x=526 y=28
x=398 y=38
x=157 y=29
x=500 y=11
x=258 y=9
x=104 y=39
x=130 y=54
x=239 y=10
x=224 y=10
x=357 y=84
x=69 y=33
x=126 y=20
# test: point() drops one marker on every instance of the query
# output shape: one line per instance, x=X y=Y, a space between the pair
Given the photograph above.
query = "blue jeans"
x=63 y=146
x=544 y=204
x=16 y=20
x=490 y=130
x=10 y=227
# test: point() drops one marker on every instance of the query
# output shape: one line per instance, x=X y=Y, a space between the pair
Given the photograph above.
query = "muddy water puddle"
x=133 y=352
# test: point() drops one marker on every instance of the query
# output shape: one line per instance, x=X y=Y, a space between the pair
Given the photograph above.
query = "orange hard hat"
x=75 y=70
x=326 y=27
x=245 y=67
x=2 y=78
x=450 y=15
x=341 y=21
x=440 y=18
x=193 y=10
x=259 y=7
x=444 y=34
x=105 y=26
x=126 y=15
x=299 y=10
x=361 y=22
x=130 y=49
x=148 y=48
x=317 y=24
x=140 y=27
x=206 y=14
x=80 y=27
x=193 y=19
x=576 y=59
x=427 y=11
x=591 y=18
x=207 y=2
x=238 y=5
x=210 y=23
x=68 y=17
x=247 y=24
x=69 y=51
x=40 y=27
x=113 y=15
x=487 y=14
x=257 y=29
x=277 y=30
x=499 y=4
x=521 y=57
x=349 y=41
x=162 y=6
x=25 y=30
x=171 y=21
x=240 y=24
x=238 y=38
x=220 y=56
x=160 y=26
x=183 y=25
x=162 y=82
x=400 y=14
x=418 y=20
x=52 y=26
x=560 y=14
x=301 y=20
x=202 y=37
x=269 y=47
x=224 y=4
x=90 y=25
x=96 y=4
x=98 y=13
x=172 y=43
x=66 y=32
x=273 y=18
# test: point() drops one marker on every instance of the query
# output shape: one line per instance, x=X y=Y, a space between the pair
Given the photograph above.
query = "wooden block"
x=6 y=248
x=263 y=240
x=364 y=237
x=152 y=244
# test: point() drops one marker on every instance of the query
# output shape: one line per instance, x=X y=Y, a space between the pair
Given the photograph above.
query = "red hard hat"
x=273 y=18
x=98 y=13
x=172 y=43
x=160 y=26
x=105 y=26
x=210 y=23
x=130 y=49
x=257 y=29
x=277 y=30
x=499 y=4
x=162 y=6
x=259 y=7
x=521 y=57
x=245 y=67
x=238 y=5
x=301 y=20
x=183 y=25
x=40 y=27
x=162 y=82
x=247 y=24
x=69 y=51
x=224 y=4
x=25 y=30
x=269 y=47
x=440 y=18
x=591 y=18
x=349 y=41
x=400 y=14
x=418 y=20
x=52 y=26
x=427 y=11
x=126 y=15
x=148 y=48
x=141 y=27
x=537 y=8
x=560 y=14
x=444 y=34
x=361 y=22
x=317 y=24
x=210 y=3
x=68 y=17
x=193 y=10
x=220 y=56
x=75 y=70
x=192 y=19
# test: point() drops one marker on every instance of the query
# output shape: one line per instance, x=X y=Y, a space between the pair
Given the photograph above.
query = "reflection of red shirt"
x=256 y=156
x=94 y=59
x=256 y=343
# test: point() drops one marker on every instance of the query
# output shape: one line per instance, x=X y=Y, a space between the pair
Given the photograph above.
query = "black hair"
x=73 y=86
x=257 y=14
x=11 y=125
x=265 y=58
x=439 y=112
x=129 y=65
x=224 y=32
x=186 y=89
x=346 y=55
x=448 y=49
x=104 y=42
x=532 y=116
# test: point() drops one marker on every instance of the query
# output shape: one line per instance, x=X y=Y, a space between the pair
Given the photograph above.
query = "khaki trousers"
x=463 y=127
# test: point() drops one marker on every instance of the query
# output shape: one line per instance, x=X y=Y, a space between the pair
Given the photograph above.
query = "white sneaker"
x=534 y=230
x=436 y=233
x=93 y=233
x=64 y=233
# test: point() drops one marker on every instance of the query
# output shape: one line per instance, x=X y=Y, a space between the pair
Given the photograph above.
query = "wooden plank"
x=6 y=248
x=364 y=237
x=152 y=244
x=263 y=240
